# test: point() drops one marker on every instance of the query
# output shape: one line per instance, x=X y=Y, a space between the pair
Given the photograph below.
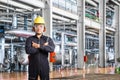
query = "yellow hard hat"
x=39 y=20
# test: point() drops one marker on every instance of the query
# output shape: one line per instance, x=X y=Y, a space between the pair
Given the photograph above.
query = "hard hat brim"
x=39 y=24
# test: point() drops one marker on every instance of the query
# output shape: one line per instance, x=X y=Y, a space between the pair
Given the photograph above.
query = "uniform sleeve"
x=50 y=47
x=28 y=47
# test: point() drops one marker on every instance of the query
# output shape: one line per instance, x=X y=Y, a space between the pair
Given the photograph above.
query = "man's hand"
x=35 y=45
x=45 y=44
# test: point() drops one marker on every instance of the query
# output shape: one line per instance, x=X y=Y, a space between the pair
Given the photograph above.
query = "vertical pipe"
x=14 y=21
x=70 y=55
x=25 y=23
x=62 y=48
x=12 y=52
x=2 y=50
x=33 y=17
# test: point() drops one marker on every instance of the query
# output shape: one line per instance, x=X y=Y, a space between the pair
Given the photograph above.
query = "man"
x=38 y=47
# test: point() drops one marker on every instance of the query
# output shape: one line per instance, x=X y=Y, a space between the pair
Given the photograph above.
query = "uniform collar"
x=37 y=37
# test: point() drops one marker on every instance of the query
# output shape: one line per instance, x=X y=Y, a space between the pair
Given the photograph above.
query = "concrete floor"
x=68 y=74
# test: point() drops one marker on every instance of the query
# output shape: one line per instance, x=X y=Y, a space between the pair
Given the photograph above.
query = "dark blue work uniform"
x=38 y=59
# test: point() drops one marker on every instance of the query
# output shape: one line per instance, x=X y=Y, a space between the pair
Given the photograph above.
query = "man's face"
x=39 y=28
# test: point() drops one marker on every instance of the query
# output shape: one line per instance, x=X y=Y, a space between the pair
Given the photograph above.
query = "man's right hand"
x=45 y=44
x=35 y=45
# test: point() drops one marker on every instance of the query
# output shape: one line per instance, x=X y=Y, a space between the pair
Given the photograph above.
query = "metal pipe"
x=17 y=4
x=25 y=23
x=35 y=3
x=14 y=21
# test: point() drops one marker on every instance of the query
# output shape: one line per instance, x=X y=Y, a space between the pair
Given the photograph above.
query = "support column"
x=102 y=33
x=81 y=32
x=48 y=20
x=117 y=33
